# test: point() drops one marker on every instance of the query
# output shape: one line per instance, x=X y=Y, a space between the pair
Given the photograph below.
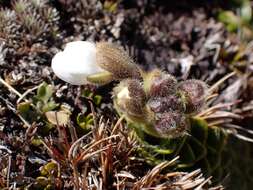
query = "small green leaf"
x=36 y=142
x=97 y=99
x=110 y=5
x=87 y=93
x=42 y=181
x=232 y=21
x=24 y=108
x=44 y=92
x=100 y=78
x=49 y=106
x=50 y=169
x=84 y=121
x=199 y=129
x=27 y=111
x=198 y=148
x=216 y=139
x=187 y=155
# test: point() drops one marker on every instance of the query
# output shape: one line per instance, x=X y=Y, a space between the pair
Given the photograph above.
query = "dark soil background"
x=182 y=37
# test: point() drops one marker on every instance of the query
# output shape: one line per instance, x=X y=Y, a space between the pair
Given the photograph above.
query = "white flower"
x=76 y=62
x=82 y=62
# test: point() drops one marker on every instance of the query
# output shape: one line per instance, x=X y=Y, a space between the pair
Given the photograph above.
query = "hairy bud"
x=116 y=60
x=159 y=84
x=130 y=98
x=171 y=125
x=165 y=104
x=195 y=92
x=163 y=86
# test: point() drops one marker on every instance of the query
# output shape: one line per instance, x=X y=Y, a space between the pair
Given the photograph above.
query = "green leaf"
x=85 y=121
x=46 y=128
x=199 y=129
x=50 y=169
x=100 y=78
x=42 y=181
x=49 y=106
x=166 y=146
x=27 y=111
x=36 y=142
x=187 y=155
x=216 y=139
x=87 y=93
x=232 y=21
x=44 y=92
x=97 y=99
x=24 y=109
x=89 y=119
x=110 y=6
x=198 y=148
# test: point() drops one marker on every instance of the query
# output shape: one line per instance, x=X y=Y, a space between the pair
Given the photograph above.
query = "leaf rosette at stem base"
x=203 y=147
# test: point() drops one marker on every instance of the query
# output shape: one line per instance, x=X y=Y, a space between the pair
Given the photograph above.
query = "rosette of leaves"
x=40 y=105
x=49 y=178
x=202 y=148
x=27 y=22
x=169 y=119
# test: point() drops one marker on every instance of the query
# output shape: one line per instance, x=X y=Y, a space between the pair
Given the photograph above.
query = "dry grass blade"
x=87 y=149
x=10 y=88
x=75 y=144
x=9 y=152
x=125 y=174
x=150 y=177
x=190 y=175
x=217 y=116
x=232 y=126
x=26 y=93
x=216 y=108
x=218 y=83
x=242 y=137
x=191 y=180
x=222 y=115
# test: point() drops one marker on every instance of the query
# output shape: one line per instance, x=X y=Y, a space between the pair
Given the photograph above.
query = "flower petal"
x=76 y=62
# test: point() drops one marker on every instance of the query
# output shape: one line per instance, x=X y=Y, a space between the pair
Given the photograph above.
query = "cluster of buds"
x=154 y=101
x=159 y=103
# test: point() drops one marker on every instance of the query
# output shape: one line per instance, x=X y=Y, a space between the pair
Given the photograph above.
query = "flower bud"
x=116 y=60
x=82 y=62
x=129 y=98
x=195 y=92
x=171 y=125
x=159 y=84
x=165 y=104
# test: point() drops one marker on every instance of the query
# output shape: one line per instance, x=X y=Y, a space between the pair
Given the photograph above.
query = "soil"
x=183 y=38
